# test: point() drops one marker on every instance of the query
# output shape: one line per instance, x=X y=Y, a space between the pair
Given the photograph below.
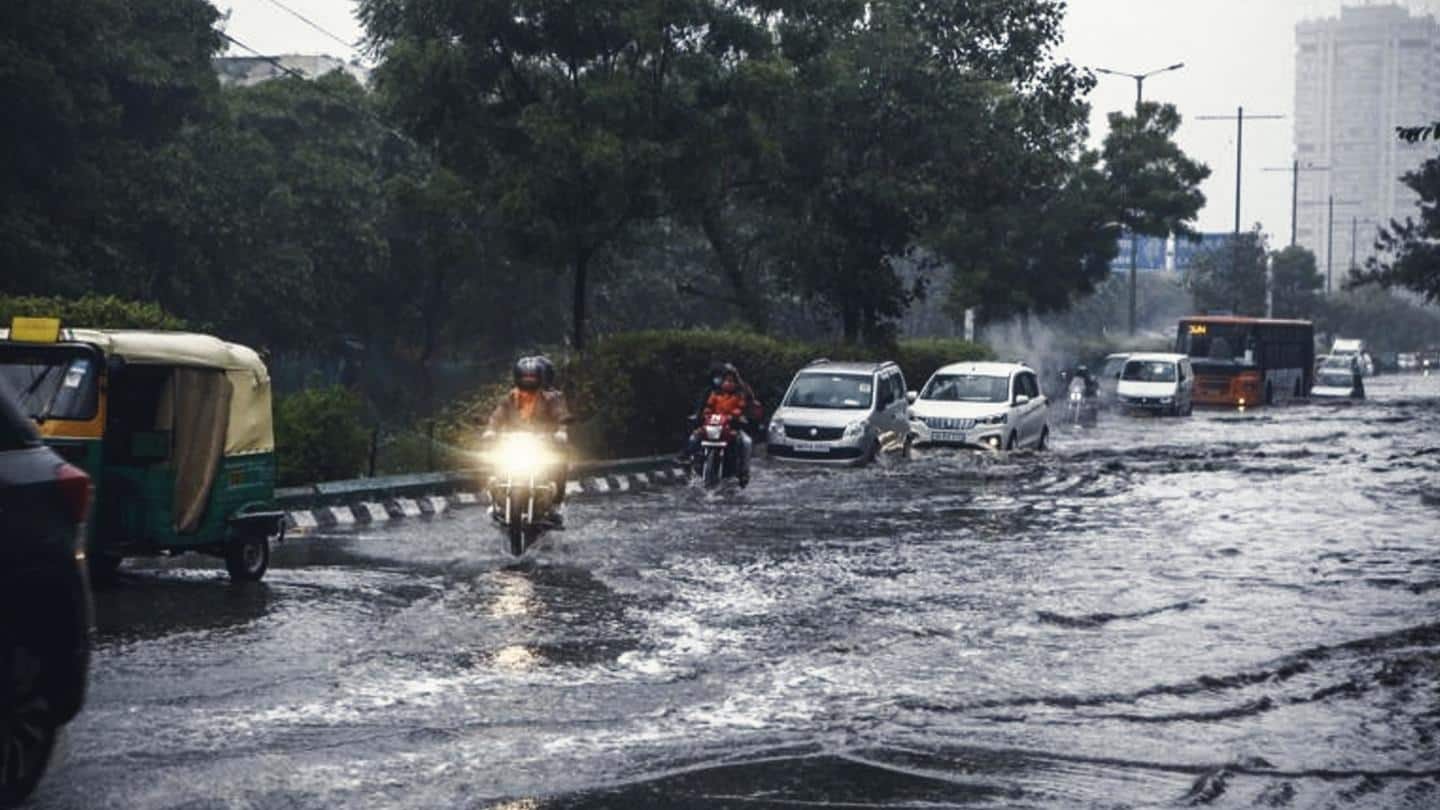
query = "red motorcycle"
x=720 y=447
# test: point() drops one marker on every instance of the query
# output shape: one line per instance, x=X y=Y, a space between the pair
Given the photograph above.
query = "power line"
x=342 y=101
x=317 y=26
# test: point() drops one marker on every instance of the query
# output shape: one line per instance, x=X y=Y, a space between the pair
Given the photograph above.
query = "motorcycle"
x=1081 y=407
x=720 y=446
x=523 y=491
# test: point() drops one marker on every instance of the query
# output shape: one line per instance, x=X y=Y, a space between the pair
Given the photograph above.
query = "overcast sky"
x=1236 y=53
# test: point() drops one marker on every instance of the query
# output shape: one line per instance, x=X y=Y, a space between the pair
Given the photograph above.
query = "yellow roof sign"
x=35 y=330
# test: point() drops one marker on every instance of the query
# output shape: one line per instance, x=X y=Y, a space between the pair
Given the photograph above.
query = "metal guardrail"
x=337 y=493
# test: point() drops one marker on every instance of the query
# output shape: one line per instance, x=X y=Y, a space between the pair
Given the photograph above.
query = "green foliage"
x=90 y=312
x=1386 y=322
x=1409 y=251
x=1157 y=186
x=633 y=391
x=320 y=435
x=1296 y=283
x=1231 y=278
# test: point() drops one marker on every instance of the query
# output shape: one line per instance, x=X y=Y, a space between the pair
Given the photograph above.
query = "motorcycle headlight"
x=855 y=428
x=1075 y=396
x=522 y=455
x=712 y=432
x=997 y=419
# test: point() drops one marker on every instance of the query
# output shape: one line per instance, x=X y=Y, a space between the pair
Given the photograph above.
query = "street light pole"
x=1134 y=237
x=1295 y=169
x=1239 y=119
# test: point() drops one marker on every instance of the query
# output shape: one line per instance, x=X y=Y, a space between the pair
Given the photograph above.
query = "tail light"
x=74 y=487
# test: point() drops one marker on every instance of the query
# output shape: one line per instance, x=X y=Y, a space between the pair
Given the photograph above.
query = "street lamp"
x=1139 y=96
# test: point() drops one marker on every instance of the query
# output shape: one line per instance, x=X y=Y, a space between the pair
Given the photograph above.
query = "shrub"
x=633 y=391
x=320 y=435
x=90 y=312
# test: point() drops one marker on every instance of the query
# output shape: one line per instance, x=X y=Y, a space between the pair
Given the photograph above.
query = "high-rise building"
x=1357 y=77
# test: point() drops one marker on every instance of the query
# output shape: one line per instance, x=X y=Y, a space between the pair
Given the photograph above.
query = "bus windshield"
x=51 y=384
x=1224 y=342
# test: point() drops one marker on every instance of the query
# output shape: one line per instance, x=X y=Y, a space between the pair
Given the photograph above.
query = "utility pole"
x=1295 y=169
x=1134 y=237
x=1330 y=203
x=1239 y=119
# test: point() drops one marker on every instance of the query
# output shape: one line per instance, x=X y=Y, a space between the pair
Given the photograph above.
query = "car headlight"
x=855 y=428
x=522 y=455
x=997 y=419
x=777 y=427
x=1167 y=401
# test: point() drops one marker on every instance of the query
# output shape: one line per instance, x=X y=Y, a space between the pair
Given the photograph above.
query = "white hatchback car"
x=995 y=406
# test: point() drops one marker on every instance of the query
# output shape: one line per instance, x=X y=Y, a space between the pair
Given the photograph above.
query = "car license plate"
x=811 y=447
x=954 y=436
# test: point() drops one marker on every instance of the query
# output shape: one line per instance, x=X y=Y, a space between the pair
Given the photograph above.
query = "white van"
x=1159 y=383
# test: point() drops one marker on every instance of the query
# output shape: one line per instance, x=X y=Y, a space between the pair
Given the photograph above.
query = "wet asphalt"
x=1230 y=610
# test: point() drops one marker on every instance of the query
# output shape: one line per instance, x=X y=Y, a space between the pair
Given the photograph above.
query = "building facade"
x=1358 y=76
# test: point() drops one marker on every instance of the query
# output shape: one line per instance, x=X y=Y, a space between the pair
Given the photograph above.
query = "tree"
x=1408 y=254
x=1295 y=283
x=1231 y=278
x=95 y=90
x=1156 y=186
x=563 y=116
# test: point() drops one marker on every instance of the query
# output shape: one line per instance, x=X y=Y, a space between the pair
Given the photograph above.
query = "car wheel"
x=1044 y=439
x=247 y=558
x=27 y=725
x=1012 y=442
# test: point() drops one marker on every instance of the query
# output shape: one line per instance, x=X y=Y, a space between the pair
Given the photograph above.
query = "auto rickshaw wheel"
x=247 y=558
x=28 y=729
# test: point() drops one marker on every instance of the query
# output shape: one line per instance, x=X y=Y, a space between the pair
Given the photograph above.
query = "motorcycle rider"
x=535 y=405
x=728 y=394
x=1092 y=385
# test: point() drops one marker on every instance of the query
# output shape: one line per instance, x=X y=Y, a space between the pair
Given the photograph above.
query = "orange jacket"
x=530 y=410
x=733 y=404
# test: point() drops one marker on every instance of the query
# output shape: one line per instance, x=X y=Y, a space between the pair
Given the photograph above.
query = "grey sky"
x=1236 y=52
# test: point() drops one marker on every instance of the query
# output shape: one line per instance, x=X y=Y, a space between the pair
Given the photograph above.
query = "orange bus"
x=1248 y=361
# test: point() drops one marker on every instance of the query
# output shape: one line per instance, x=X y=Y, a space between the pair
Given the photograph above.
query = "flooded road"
x=1232 y=610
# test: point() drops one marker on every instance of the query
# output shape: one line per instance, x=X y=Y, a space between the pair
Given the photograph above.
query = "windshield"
x=967 y=388
x=1333 y=380
x=1214 y=341
x=1112 y=368
x=1149 y=371
x=52 y=384
x=831 y=391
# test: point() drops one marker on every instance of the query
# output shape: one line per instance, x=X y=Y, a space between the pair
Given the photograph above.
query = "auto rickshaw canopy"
x=250 y=426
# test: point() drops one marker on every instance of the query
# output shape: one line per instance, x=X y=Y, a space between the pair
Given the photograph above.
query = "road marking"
x=343 y=516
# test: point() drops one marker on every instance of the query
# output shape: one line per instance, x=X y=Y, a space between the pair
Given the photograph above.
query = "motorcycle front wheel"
x=516 y=530
x=714 y=463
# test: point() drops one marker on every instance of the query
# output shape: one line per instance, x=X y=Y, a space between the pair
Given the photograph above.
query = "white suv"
x=995 y=406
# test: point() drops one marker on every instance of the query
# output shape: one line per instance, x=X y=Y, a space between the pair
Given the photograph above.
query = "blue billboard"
x=1186 y=251
x=1149 y=254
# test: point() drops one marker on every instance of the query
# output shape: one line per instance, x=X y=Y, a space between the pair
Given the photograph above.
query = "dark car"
x=45 y=608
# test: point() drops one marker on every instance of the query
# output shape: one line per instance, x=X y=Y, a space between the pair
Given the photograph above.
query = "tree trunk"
x=753 y=307
x=582 y=265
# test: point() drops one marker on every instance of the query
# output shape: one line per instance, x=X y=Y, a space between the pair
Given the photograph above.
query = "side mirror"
x=911 y=396
x=1022 y=399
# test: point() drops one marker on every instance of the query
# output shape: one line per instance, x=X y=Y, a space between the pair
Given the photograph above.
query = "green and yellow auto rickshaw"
x=174 y=428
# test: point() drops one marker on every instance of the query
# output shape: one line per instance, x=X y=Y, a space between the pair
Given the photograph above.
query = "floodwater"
x=1230 y=610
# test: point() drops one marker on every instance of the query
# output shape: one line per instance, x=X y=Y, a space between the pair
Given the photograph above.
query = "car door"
x=899 y=410
x=1034 y=409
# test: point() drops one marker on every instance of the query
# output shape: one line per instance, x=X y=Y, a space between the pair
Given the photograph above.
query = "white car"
x=1159 y=383
x=839 y=413
x=995 y=406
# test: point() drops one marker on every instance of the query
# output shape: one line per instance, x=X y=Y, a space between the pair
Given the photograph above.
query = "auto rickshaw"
x=174 y=428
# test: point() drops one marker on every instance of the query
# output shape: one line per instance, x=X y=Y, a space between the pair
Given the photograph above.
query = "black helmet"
x=529 y=373
x=719 y=371
x=547 y=370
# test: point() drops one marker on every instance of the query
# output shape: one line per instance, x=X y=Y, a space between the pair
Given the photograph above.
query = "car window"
x=886 y=393
x=1030 y=385
x=897 y=386
x=16 y=430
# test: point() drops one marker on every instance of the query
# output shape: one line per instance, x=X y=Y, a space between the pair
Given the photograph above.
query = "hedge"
x=90 y=312
x=633 y=391
x=320 y=435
